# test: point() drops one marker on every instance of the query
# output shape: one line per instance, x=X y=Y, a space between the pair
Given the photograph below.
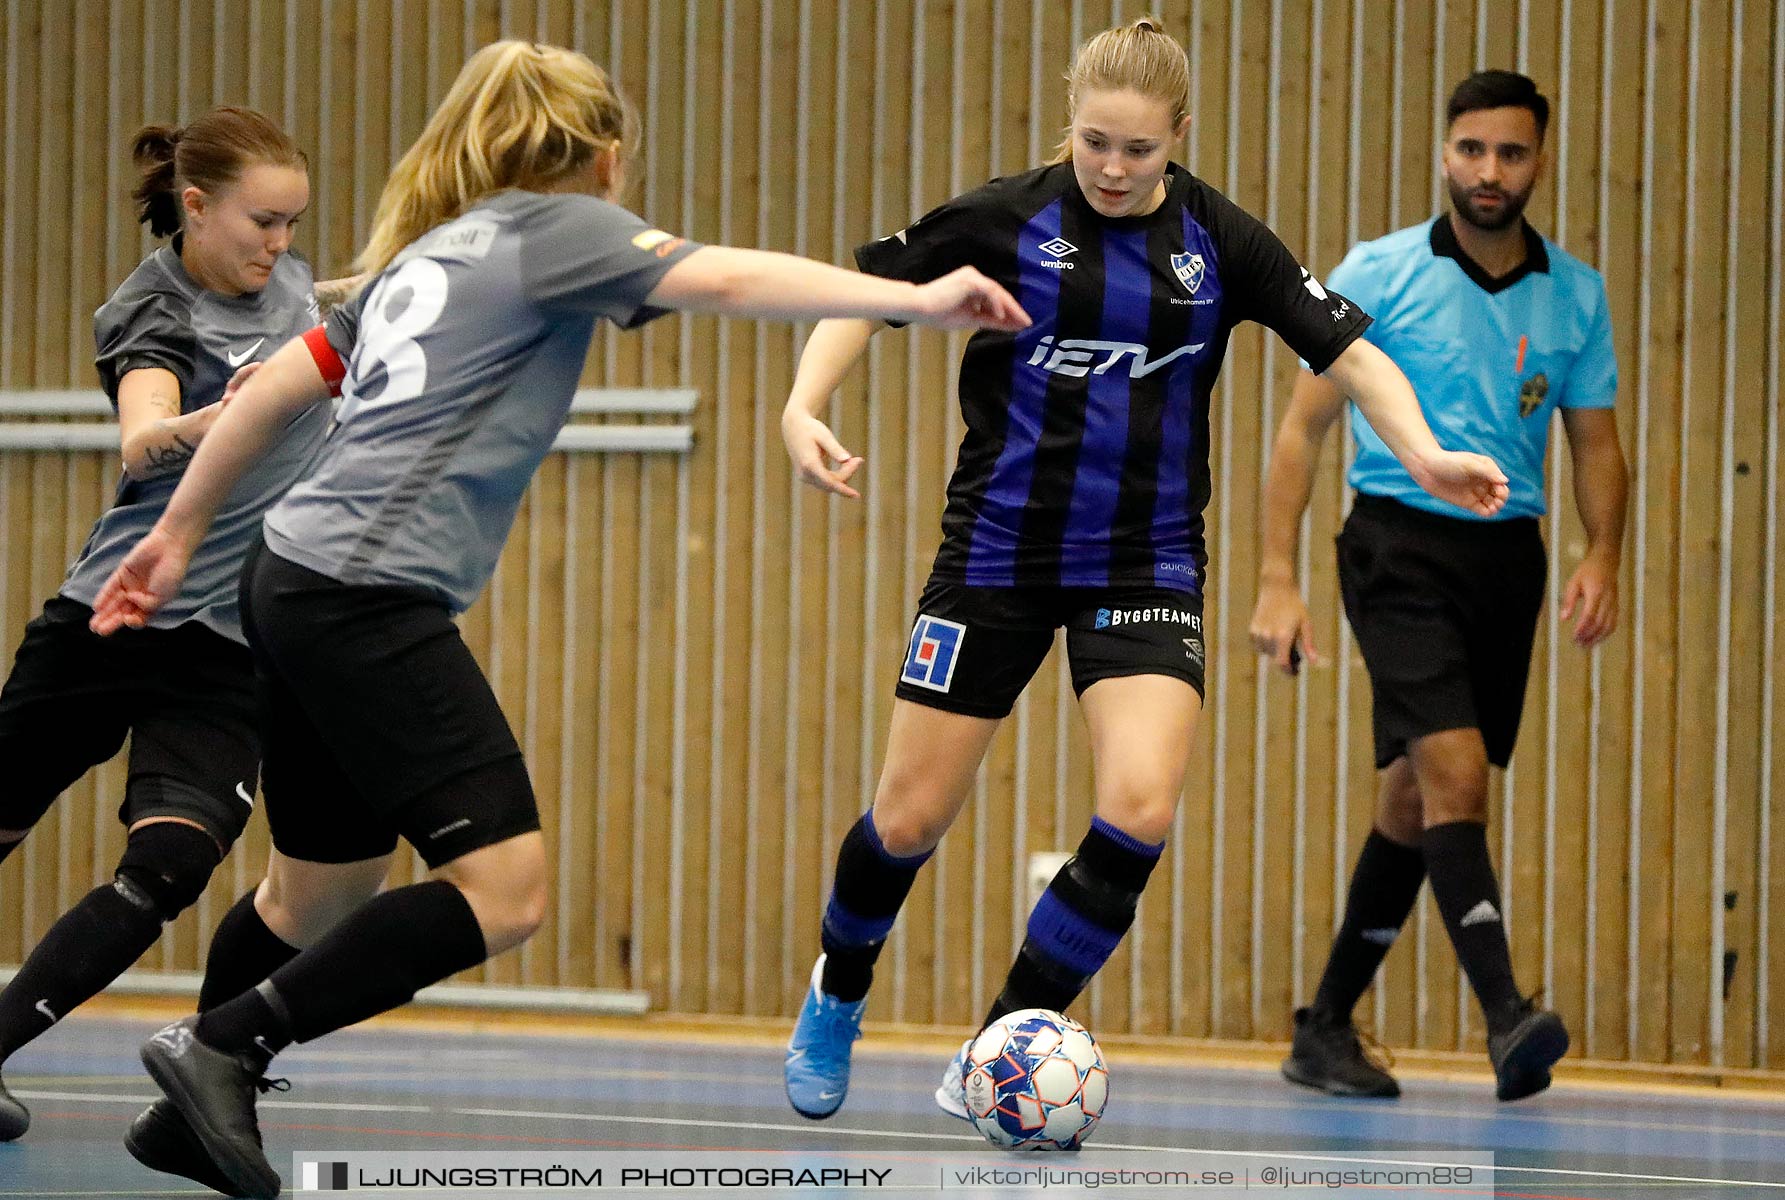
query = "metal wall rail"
x=577 y=439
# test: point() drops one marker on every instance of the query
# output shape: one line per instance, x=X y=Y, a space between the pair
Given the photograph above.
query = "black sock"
x=869 y=889
x=1463 y=883
x=1384 y=886
x=1078 y=921
x=392 y=946
x=243 y=952
x=254 y=1025
x=92 y=944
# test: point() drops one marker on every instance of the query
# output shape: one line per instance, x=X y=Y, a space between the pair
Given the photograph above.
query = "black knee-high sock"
x=869 y=889
x=1078 y=921
x=165 y=866
x=1384 y=886
x=243 y=952
x=377 y=959
x=92 y=944
x=1468 y=896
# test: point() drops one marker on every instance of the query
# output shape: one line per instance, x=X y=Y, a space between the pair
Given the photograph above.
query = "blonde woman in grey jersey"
x=494 y=252
x=229 y=189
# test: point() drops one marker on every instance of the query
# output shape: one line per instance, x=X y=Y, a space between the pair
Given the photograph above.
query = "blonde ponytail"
x=520 y=115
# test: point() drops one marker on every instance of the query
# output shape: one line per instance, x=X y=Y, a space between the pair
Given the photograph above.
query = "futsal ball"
x=1035 y=1080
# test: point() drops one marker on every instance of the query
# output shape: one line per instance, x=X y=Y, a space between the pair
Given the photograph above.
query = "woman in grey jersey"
x=494 y=252
x=229 y=188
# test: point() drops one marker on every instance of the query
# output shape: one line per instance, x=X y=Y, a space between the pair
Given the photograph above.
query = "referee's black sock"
x=243 y=952
x=1078 y=921
x=89 y=946
x=1463 y=883
x=377 y=959
x=869 y=889
x=1384 y=886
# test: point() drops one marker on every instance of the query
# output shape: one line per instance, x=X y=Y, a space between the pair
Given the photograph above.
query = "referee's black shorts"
x=1445 y=611
x=378 y=722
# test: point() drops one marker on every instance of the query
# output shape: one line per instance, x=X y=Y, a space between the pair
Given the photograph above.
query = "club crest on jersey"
x=1531 y=394
x=1189 y=269
x=935 y=648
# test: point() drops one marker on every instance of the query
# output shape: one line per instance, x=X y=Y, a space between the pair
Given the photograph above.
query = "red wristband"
x=327 y=361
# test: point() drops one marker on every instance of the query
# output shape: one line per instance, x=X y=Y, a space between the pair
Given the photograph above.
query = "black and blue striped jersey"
x=1086 y=456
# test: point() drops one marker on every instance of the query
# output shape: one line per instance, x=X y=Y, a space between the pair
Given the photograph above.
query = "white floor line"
x=1297 y=1156
x=109 y=1098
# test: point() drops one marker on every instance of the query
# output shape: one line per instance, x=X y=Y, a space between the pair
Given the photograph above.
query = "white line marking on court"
x=691 y=1122
x=103 y=1098
x=335 y=1106
x=1301 y=1156
x=1540 y=1116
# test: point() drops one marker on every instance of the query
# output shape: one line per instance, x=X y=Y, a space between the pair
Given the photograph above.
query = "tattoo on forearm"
x=165 y=460
x=166 y=402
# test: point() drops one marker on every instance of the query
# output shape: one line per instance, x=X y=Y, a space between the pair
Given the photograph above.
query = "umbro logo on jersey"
x=1483 y=913
x=1059 y=248
x=236 y=360
x=1079 y=356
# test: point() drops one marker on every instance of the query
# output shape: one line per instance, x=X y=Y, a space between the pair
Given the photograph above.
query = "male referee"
x=1495 y=326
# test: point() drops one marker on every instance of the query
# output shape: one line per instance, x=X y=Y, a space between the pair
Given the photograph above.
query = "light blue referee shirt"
x=1489 y=358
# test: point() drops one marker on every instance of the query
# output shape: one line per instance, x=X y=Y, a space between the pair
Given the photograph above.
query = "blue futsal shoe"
x=951 y=1096
x=817 y=1070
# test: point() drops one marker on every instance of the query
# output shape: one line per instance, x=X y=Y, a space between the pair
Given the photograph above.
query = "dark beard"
x=1511 y=211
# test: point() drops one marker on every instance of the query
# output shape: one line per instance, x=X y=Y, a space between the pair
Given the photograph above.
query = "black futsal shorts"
x=974 y=649
x=1445 y=611
x=379 y=723
x=184 y=695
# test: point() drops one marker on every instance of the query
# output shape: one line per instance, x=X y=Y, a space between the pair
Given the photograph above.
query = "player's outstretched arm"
x=1470 y=481
x=834 y=347
x=1281 y=628
x=762 y=283
x=249 y=424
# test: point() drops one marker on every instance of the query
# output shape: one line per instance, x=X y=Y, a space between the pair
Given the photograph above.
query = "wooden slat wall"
x=698 y=654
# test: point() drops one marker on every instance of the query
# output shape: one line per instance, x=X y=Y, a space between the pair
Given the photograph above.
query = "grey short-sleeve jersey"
x=463 y=357
x=161 y=317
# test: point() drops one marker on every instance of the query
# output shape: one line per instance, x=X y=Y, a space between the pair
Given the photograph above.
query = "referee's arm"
x=1280 y=625
x=1601 y=489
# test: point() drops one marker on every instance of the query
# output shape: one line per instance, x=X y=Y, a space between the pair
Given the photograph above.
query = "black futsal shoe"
x=1330 y=1056
x=1531 y=1041
x=15 y=1118
x=161 y=1140
x=214 y=1091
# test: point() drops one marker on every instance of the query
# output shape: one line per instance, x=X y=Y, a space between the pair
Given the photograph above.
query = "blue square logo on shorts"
x=935 y=647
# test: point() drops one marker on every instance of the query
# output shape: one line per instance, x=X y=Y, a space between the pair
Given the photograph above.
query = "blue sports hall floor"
x=409 y=1087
